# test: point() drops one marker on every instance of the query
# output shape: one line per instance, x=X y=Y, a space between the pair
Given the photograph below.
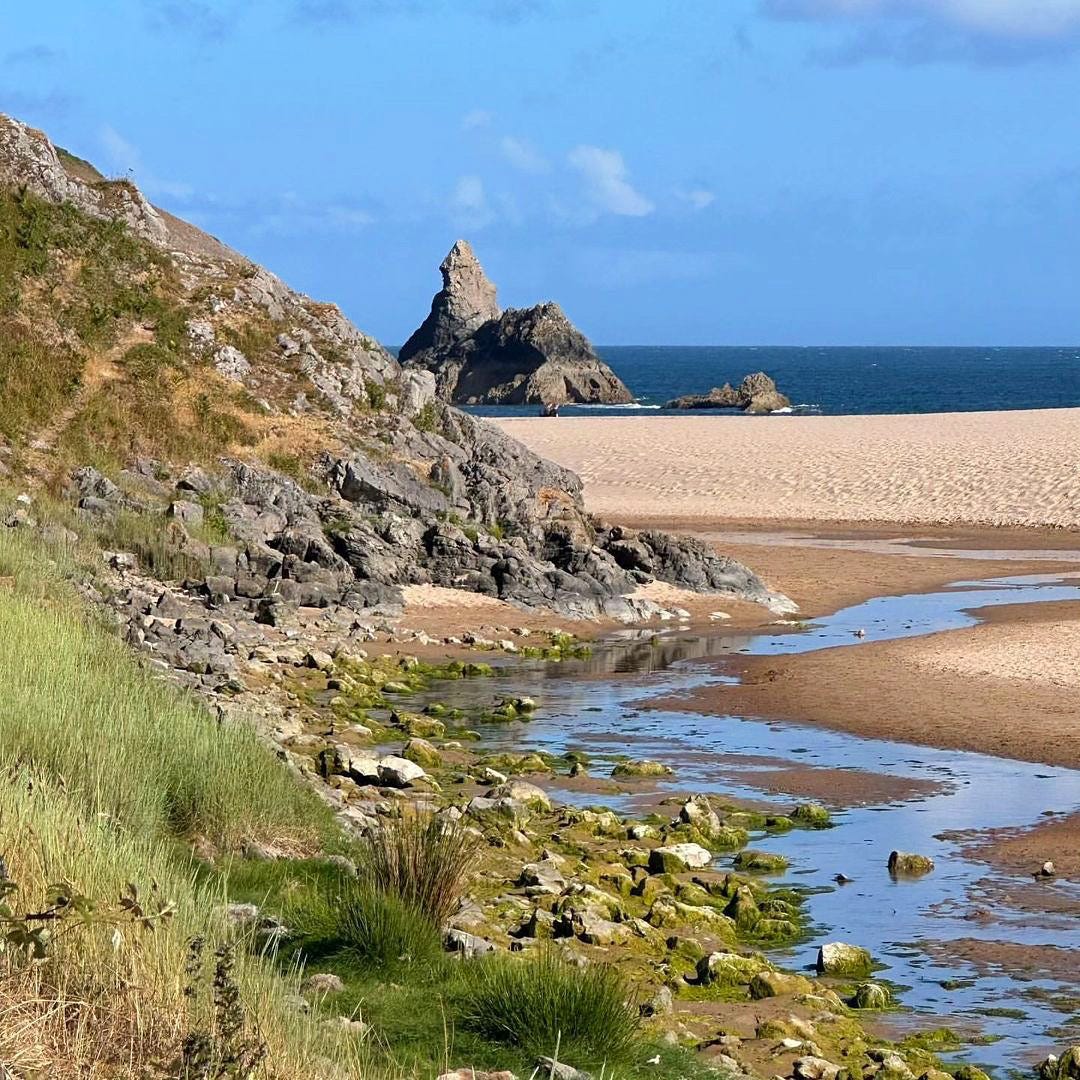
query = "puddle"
x=591 y=706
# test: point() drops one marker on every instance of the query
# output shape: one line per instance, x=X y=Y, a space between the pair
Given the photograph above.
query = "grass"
x=107 y=772
x=420 y=859
x=545 y=1002
x=376 y=930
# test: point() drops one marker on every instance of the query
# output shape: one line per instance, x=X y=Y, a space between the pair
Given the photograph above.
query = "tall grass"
x=104 y=771
x=129 y=750
x=545 y=1002
x=421 y=859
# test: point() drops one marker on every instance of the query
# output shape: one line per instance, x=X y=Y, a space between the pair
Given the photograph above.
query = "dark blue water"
x=850 y=380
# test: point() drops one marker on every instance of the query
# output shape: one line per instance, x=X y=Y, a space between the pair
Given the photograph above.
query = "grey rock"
x=481 y=355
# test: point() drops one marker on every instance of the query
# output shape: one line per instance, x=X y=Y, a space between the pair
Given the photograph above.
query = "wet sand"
x=887 y=689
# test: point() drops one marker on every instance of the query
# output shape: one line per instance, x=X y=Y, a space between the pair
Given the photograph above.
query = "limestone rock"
x=675 y=858
x=481 y=355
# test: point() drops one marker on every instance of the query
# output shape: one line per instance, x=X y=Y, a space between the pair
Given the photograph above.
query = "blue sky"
x=671 y=171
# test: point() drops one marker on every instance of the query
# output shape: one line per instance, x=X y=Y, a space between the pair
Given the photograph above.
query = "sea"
x=837 y=381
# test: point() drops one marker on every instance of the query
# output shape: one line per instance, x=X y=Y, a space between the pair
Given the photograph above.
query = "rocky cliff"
x=193 y=406
x=483 y=356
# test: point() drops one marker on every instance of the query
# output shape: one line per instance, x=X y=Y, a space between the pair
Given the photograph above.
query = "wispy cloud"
x=28 y=104
x=523 y=155
x=606 y=181
x=198 y=18
x=122 y=156
x=926 y=31
x=476 y=119
x=34 y=55
x=696 y=198
x=469 y=206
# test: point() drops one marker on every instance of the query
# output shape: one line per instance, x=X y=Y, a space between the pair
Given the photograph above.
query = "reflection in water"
x=585 y=707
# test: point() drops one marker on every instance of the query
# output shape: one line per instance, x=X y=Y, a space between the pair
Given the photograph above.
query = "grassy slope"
x=109 y=775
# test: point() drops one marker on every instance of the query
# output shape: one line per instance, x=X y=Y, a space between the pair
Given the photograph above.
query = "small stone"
x=815 y=1068
x=323 y=983
x=422 y=753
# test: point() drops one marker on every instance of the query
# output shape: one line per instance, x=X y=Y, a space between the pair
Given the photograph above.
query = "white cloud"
x=697 y=198
x=124 y=157
x=1013 y=18
x=523 y=155
x=477 y=118
x=469 y=205
x=605 y=177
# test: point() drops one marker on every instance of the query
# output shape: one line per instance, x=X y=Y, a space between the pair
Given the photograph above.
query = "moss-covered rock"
x=423 y=753
x=676 y=858
x=767 y=984
x=841 y=959
x=871 y=995
x=730 y=969
x=643 y=768
x=811 y=815
x=760 y=862
x=908 y=864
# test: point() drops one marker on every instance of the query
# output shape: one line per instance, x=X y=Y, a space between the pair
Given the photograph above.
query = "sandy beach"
x=992 y=468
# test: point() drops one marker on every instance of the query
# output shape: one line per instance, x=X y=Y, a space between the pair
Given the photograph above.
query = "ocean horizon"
x=844 y=380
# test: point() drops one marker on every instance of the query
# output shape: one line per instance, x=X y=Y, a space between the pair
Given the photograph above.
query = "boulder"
x=399 y=772
x=675 y=858
x=422 y=753
x=641 y=769
x=521 y=791
x=812 y=815
x=811 y=1067
x=760 y=862
x=767 y=984
x=907 y=864
x=841 y=959
x=730 y=969
x=871 y=995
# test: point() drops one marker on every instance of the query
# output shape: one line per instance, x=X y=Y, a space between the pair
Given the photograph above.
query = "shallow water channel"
x=594 y=706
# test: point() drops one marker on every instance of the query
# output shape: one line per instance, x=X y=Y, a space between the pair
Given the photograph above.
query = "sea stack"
x=481 y=355
x=757 y=393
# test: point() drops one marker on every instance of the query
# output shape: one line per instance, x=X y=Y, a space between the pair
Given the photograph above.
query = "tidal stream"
x=595 y=706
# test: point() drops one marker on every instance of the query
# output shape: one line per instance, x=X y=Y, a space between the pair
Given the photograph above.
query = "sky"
x=787 y=172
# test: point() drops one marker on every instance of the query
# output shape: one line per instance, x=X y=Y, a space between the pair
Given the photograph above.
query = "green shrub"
x=544 y=1001
x=421 y=859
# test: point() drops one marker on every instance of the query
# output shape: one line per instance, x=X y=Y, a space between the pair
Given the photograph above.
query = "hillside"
x=133 y=347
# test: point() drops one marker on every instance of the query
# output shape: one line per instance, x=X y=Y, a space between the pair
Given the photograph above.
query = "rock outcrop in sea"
x=757 y=393
x=481 y=355
x=334 y=477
